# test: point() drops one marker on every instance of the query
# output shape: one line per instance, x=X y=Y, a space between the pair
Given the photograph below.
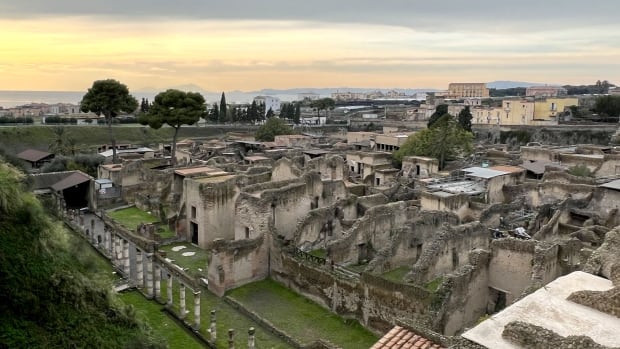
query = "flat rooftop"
x=549 y=308
x=459 y=187
x=216 y=177
x=195 y=170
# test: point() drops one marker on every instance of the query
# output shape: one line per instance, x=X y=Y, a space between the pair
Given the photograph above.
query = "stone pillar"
x=212 y=327
x=149 y=275
x=93 y=236
x=126 y=257
x=139 y=268
x=182 y=311
x=231 y=338
x=157 y=280
x=251 y=338
x=169 y=290
x=197 y=310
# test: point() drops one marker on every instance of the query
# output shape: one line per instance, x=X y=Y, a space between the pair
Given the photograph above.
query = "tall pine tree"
x=223 y=112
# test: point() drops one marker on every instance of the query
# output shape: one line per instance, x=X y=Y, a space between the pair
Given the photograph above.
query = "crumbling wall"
x=535 y=195
x=463 y=296
x=370 y=232
x=321 y=225
x=330 y=167
x=285 y=169
x=448 y=251
x=510 y=267
x=407 y=244
x=236 y=263
x=609 y=167
x=374 y=301
x=535 y=337
x=458 y=204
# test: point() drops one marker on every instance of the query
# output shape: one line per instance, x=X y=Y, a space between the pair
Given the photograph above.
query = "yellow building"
x=524 y=112
x=467 y=90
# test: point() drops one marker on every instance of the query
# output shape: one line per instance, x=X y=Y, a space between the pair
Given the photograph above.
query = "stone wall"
x=330 y=167
x=285 y=169
x=535 y=195
x=448 y=251
x=374 y=301
x=236 y=263
x=510 y=266
x=464 y=295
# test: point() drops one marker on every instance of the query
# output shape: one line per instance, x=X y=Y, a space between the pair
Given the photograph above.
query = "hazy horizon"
x=244 y=45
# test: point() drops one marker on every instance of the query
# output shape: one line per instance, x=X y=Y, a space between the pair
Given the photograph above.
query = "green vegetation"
x=131 y=217
x=397 y=274
x=433 y=285
x=162 y=324
x=175 y=108
x=323 y=104
x=48 y=302
x=321 y=252
x=580 y=171
x=445 y=140
x=196 y=264
x=87 y=138
x=300 y=317
x=522 y=136
x=109 y=98
x=227 y=317
x=273 y=127
x=608 y=105
x=464 y=119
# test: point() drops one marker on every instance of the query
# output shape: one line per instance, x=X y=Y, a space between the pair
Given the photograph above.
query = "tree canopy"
x=174 y=108
x=440 y=111
x=273 y=127
x=608 y=105
x=109 y=98
x=464 y=119
x=322 y=104
x=223 y=109
x=445 y=141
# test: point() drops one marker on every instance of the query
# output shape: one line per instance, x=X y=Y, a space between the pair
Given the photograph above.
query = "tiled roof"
x=402 y=338
x=34 y=155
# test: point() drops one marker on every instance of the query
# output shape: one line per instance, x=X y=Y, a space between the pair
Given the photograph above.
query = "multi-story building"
x=468 y=90
x=524 y=112
x=545 y=91
x=272 y=103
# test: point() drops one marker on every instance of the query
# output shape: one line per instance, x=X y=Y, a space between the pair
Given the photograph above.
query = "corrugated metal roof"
x=481 y=172
x=33 y=155
x=108 y=153
x=615 y=185
x=72 y=180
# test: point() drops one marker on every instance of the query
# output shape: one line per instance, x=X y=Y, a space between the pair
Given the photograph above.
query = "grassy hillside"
x=47 y=301
x=18 y=138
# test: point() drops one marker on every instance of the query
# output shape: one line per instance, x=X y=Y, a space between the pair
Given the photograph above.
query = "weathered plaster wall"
x=510 y=267
x=236 y=263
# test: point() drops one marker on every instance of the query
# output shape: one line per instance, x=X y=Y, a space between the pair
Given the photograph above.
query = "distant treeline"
x=599 y=87
x=59 y=120
x=16 y=120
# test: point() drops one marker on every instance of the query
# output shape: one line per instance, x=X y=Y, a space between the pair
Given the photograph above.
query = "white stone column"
x=149 y=275
x=212 y=327
x=251 y=338
x=157 y=280
x=169 y=290
x=197 y=310
x=139 y=268
x=182 y=311
x=126 y=257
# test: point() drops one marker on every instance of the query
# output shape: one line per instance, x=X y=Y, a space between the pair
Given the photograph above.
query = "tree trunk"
x=112 y=139
x=174 y=146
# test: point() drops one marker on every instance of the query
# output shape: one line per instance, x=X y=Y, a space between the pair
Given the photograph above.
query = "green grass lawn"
x=321 y=252
x=300 y=317
x=227 y=317
x=434 y=284
x=161 y=323
x=132 y=216
x=397 y=274
x=196 y=264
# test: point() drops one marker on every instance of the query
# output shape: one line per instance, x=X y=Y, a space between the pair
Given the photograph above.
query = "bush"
x=16 y=120
x=580 y=171
x=52 y=120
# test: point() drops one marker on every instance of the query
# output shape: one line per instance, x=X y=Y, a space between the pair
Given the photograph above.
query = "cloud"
x=433 y=16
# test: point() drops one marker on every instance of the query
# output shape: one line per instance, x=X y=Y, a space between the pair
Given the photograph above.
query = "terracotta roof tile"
x=402 y=338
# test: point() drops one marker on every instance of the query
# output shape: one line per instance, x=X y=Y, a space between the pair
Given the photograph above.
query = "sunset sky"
x=249 y=45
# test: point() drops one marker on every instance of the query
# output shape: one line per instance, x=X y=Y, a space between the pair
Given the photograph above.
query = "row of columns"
x=119 y=250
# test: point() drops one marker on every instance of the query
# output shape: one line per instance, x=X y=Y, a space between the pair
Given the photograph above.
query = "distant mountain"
x=502 y=84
